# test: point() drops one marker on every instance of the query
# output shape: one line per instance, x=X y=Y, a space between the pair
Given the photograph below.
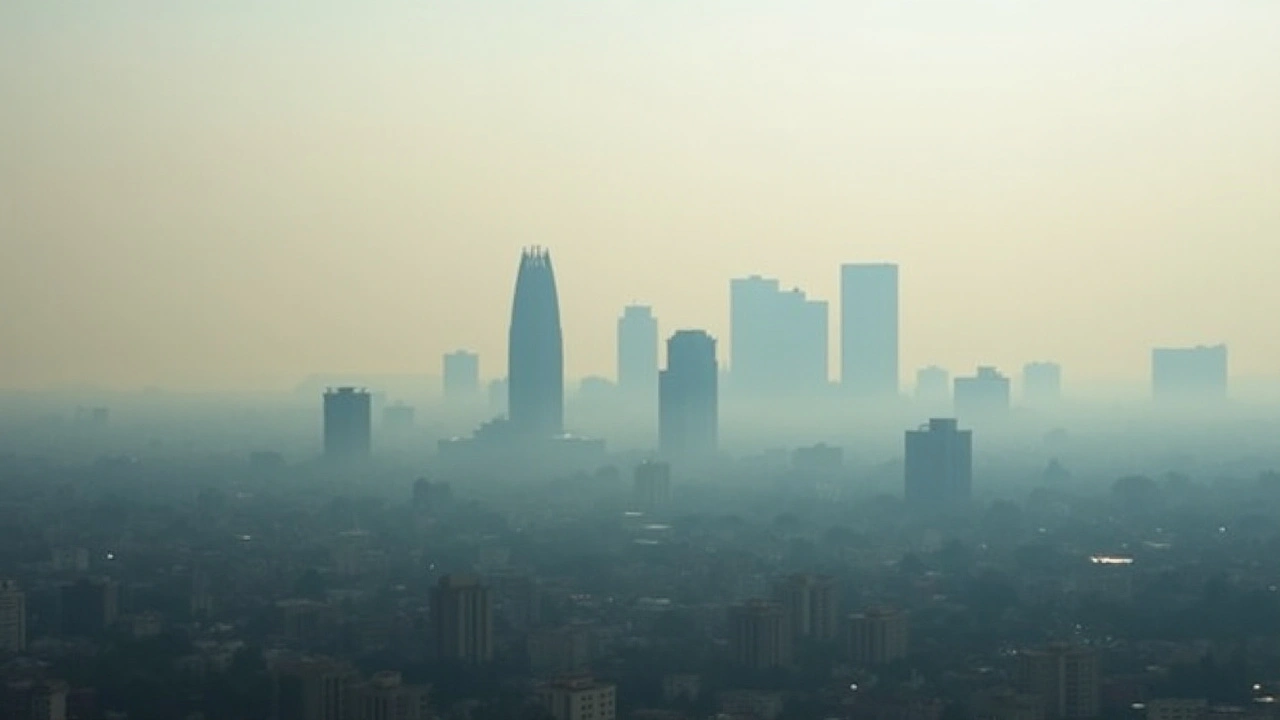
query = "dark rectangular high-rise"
x=938 y=471
x=638 y=353
x=869 y=330
x=462 y=619
x=1194 y=374
x=348 y=426
x=688 y=397
x=461 y=376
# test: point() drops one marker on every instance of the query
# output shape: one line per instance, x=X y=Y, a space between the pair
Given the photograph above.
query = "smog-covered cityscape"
x=596 y=360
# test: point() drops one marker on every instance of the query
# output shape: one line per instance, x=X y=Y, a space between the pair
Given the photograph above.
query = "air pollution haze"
x=233 y=195
x=639 y=360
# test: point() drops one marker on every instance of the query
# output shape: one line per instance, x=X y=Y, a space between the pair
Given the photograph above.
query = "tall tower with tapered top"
x=535 y=350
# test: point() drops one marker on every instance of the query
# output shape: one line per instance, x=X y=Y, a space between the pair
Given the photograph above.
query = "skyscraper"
x=1042 y=384
x=535 y=350
x=1065 y=677
x=348 y=433
x=759 y=638
x=984 y=395
x=651 y=485
x=638 y=353
x=688 y=397
x=810 y=606
x=939 y=465
x=778 y=340
x=877 y=636
x=462 y=618
x=13 y=618
x=869 y=330
x=1189 y=374
x=461 y=377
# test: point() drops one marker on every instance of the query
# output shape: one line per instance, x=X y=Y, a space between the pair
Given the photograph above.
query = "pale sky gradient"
x=209 y=194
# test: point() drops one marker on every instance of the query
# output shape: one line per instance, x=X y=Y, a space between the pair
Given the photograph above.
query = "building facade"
x=983 y=395
x=811 y=606
x=535 y=350
x=688 y=397
x=1194 y=374
x=1064 y=677
x=348 y=425
x=778 y=340
x=938 y=471
x=461 y=376
x=13 y=619
x=869 y=330
x=878 y=636
x=638 y=354
x=462 y=619
x=759 y=636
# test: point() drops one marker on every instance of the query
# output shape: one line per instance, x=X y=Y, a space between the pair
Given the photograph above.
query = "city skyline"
x=206 y=229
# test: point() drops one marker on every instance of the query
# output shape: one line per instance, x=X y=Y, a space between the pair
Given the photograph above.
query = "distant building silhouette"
x=535 y=360
x=778 y=340
x=638 y=353
x=1042 y=384
x=386 y=697
x=1065 y=677
x=878 y=636
x=462 y=619
x=577 y=698
x=348 y=429
x=759 y=637
x=938 y=472
x=312 y=688
x=652 y=485
x=13 y=619
x=869 y=330
x=398 y=417
x=461 y=377
x=810 y=605
x=983 y=395
x=1194 y=374
x=933 y=386
x=498 y=397
x=688 y=397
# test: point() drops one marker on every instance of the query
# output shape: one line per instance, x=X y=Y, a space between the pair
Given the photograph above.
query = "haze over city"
x=234 y=197
x=639 y=360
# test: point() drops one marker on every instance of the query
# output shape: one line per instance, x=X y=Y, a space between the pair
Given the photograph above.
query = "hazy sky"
x=242 y=192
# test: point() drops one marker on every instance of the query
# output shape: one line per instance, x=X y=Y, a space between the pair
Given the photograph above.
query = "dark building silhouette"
x=638 y=352
x=759 y=636
x=778 y=340
x=1042 y=384
x=869 y=330
x=462 y=619
x=535 y=360
x=939 y=465
x=984 y=395
x=461 y=376
x=348 y=427
x=811 y=606
x=651 y=486
x=688 y=397
x=1194 y=374
x=88 y=607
